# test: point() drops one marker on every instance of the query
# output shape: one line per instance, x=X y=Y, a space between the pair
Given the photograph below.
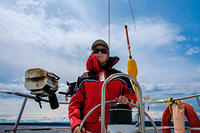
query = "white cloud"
x=198 y=69
x=24 y=4
x=178 y=59
x=154 y=32
x=32 y=111
x=165 y=85
x=150 y=33
x=53 y=43
x=147 y=86
x=31 y=40
x=155 y=115
x=196 y=86
x=167 y=89
x=193 y=50
x=181 y=38
x=12 y=87
x=19 y=87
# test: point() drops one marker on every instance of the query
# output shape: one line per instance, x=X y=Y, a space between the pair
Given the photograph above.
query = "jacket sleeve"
x=75 y=106
x=129 y=93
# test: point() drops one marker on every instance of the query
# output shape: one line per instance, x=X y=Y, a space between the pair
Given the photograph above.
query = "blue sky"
x=57 y=35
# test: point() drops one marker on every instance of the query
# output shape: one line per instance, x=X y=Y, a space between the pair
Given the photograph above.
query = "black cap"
x=99 y=42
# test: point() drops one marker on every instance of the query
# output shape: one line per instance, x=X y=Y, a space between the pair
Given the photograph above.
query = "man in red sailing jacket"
x=88 y=90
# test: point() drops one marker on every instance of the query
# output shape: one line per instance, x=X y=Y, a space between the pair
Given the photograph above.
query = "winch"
x=120 y=119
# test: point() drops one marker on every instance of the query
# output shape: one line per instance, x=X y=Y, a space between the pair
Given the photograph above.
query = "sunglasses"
x=104 y=51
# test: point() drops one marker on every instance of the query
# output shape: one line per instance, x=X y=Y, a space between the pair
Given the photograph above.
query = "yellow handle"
x=132 y=68
x=133 y=71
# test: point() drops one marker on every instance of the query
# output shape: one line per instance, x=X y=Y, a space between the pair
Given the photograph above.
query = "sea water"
x=4 y=128
x=34 y=129
x=46 y=129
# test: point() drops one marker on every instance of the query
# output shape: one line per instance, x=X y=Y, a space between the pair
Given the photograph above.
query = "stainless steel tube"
x=141 y=106
x=20 y=114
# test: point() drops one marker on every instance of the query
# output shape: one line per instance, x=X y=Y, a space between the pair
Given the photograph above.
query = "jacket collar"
x=110 y=63
x=92 y=64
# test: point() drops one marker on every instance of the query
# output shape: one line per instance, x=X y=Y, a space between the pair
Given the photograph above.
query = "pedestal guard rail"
x=141 y=105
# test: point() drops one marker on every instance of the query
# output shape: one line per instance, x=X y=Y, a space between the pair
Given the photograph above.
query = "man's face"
x=102 y=58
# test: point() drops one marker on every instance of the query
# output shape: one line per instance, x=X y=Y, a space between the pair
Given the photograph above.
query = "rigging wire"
x=109 y=23
x=132 y=14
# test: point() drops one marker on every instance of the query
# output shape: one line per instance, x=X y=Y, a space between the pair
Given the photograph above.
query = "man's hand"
x=77 y=130
x=122 y=99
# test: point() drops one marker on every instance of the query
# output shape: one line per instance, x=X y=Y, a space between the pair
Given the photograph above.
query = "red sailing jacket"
x=88 y=94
